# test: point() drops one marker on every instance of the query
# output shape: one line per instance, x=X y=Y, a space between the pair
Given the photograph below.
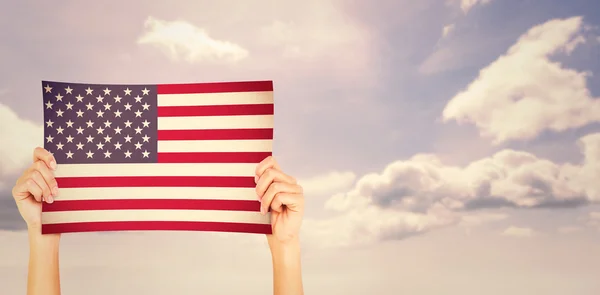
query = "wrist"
x=37 y=240
x=285 y=252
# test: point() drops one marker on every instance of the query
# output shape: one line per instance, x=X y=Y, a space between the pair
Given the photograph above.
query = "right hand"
x=36 y=184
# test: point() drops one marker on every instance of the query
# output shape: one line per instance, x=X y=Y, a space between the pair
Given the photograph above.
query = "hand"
x=280 y=193
x=36 y=184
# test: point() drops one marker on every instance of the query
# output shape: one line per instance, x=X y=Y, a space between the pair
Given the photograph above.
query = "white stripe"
x=202 y=99
x=184 y=146
x=133 y=193
x=154 y=169
x=215 y=122
x=154 y=215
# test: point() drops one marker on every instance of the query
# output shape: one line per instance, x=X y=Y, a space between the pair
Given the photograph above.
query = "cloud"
x=421 y=194
x=520 y=232
x=467 y=5
x=568 y=229
x=447 y=30
x=592 y=220
x=19 y=138
x=328 y=183
x=181 y=40
x=524 y=93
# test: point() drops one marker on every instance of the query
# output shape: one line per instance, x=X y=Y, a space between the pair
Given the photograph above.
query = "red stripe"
x=217 y=87
x=150 y=204
x=156 y=181
x=156 y=225
x=225 y=157
x=216 y=134
x=216 y=110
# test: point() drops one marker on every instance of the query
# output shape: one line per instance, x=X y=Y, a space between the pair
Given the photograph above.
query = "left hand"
x=282 y=194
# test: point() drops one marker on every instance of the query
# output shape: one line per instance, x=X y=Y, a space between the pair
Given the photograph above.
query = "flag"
x=157 y=157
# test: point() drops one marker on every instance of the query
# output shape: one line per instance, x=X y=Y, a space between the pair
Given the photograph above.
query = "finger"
x=268 y=162
x=293 y=202
x=48 y=176
x=44 y=155
x=27 y=187
x=268 y=177
x=274 y=189
x=37 y=177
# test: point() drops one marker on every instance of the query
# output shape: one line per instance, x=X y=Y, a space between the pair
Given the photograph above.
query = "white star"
x=90 y=138
x=107 y=106
x=107 y=154
x=69 y=90
x=49 y=105
x=48 y=88
x=107 y=138
x=146 y=153
x=59 y=130
x=89 y=91
x=146 y=123
x=79 y=130
x=146 y=138
x=49 y=138
x=107 y=91
x=100 y=145
x=89 y=123
x=128 y=107
x=69 y=106
x=69 y=155
x=59 y=146
x=138 y=113
x=128 y=138
x=138 y=98
x=118 y=146
x=146 y=106
x=79 y=97
x=117 y=99
x=59 y=113
x=69 y=138
x=127 y=154
x=89 y=106
x=138 y=130
x=127 y=91
x=118 y=130
x=80 y=146
x=59 y=97
x=100 y=130
x=90 y=154
x=128 y=124
x=138 y=146
x=99 y=98
x=49 y=123
x=118 y=114
x=79 y=113
x=107 y=124
x=100 y=113
x=145 y=91
x=69 y=124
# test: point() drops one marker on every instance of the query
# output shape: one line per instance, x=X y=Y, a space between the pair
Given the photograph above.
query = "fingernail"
x=53 y=165
x=262 y=211
x=55 y=191
x=255 y=179
x=49 y=200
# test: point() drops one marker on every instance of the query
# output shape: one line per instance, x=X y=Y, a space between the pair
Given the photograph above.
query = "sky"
x=445 y=146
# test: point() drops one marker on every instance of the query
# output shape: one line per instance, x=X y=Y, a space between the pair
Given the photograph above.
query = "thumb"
x=293 y=202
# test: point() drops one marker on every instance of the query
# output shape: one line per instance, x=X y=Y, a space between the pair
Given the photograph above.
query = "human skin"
x=275 y=190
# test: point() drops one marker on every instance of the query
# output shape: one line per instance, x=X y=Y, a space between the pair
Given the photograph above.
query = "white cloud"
x=328 y=183
x=524 y=93
x=520 y=232
x=568 y=229
x=19 y=138
x=447 y=30
x=467 y=5
x=420 y=194
x=182 y=40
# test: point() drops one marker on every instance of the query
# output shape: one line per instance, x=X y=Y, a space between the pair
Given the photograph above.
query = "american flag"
x=157 y=157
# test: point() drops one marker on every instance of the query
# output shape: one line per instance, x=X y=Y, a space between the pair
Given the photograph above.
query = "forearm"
x=287 y=270
x=43 y=275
